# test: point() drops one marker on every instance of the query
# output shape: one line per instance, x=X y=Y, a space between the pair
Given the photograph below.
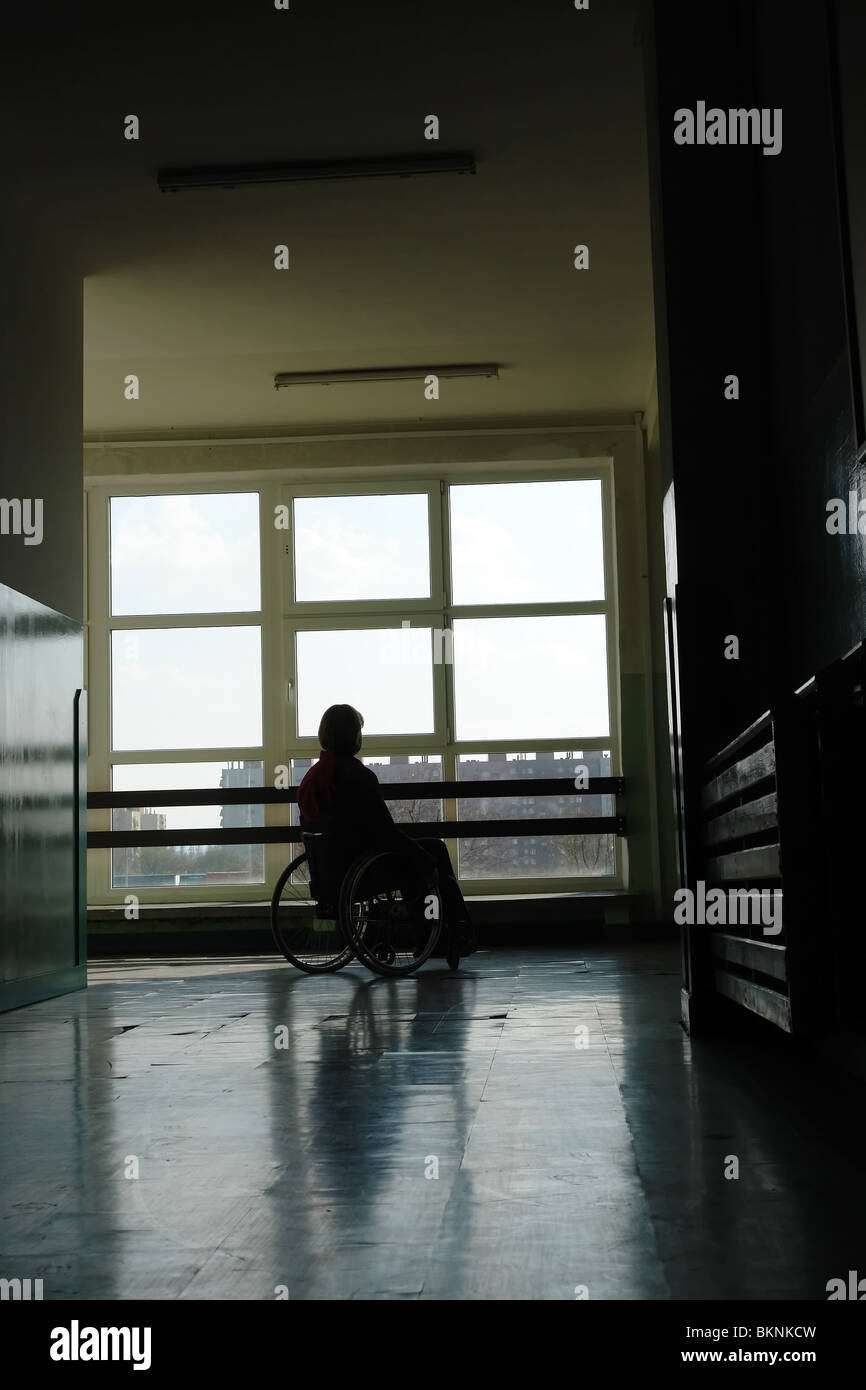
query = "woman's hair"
x=340 y=729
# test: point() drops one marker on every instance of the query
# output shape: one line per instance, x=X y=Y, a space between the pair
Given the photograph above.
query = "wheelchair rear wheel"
x=388 y=934
x=313 y=943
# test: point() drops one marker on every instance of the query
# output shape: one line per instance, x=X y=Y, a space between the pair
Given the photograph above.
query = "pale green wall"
x=41 y=409
x=41 y=600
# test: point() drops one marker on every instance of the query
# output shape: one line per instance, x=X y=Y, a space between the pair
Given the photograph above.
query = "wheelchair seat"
x=328 y=861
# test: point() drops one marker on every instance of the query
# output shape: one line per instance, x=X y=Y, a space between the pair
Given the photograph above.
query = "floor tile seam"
x=214 y=1250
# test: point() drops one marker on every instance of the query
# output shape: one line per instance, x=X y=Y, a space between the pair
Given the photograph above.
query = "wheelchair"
x=370 y=908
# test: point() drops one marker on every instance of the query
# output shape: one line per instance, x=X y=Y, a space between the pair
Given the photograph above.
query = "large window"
x=471 y=622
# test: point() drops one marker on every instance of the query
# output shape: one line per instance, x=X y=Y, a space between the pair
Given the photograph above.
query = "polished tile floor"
x=535 y=1127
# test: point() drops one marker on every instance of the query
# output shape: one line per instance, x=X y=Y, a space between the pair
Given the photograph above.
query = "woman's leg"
x=457 y=915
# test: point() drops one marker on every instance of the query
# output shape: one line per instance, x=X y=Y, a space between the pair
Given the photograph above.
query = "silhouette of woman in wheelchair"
x=342 y=798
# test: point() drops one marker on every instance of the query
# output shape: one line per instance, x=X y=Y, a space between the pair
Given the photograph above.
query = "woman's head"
x=340 y=729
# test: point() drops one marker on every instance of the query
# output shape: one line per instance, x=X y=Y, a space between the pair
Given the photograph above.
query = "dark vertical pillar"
x=41 y=602
x=837 y=931
x=719 y=537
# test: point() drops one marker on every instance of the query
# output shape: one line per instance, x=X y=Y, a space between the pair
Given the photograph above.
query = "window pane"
x=190 y=554
x=361 y=548
x=145 y=866
x=386 y=673
x=530 y=677
x=195 y=687
x=401 y=767
x=409 y=768
x=527 y=542
x=534 y=856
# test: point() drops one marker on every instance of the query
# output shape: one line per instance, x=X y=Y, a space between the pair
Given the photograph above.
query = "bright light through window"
x=530 y=677
x=527 y=542
x=467 y=613
x=386 y=673
x=185 y=554
x=361 y=548
x=187 y=687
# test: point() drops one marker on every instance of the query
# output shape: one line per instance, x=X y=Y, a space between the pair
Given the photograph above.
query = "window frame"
x=100 y=625
x=281 y=615
x=366 y=488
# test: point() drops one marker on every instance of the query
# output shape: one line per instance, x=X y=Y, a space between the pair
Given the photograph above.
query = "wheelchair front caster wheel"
x=384 y=954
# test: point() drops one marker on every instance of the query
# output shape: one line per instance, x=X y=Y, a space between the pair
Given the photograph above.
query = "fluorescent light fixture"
x=306 y=171
x=384 y=374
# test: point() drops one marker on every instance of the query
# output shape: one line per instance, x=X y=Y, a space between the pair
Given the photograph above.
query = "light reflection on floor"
x=535 y=1126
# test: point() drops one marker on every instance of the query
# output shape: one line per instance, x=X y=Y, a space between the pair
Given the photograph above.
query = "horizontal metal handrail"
x=285 y=834
x=393 y=791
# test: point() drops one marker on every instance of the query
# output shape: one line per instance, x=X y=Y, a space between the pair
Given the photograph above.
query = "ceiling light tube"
x=337 y=378
x=305 y=171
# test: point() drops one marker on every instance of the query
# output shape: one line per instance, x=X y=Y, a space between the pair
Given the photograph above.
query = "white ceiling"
x=181 y=288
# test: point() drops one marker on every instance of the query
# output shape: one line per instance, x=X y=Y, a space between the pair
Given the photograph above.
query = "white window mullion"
x=275 y=667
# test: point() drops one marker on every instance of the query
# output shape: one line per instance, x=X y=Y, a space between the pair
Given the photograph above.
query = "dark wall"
x=749 y=259
x=760 y=265
x=848 y=45
x=41 y=404
x=809 y=403
x=41 y=594
x=710 y=289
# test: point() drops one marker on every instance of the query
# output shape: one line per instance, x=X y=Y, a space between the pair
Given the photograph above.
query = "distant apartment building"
x=535 y=856
x=508 y=857
x=126 y=862
x=247 y=861
x=241 y=775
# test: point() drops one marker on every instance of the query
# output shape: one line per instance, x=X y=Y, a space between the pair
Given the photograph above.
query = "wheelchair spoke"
x=307 y=934
x=392 y=929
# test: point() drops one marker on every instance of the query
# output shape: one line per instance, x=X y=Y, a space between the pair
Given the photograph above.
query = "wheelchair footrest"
x=325 y=919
